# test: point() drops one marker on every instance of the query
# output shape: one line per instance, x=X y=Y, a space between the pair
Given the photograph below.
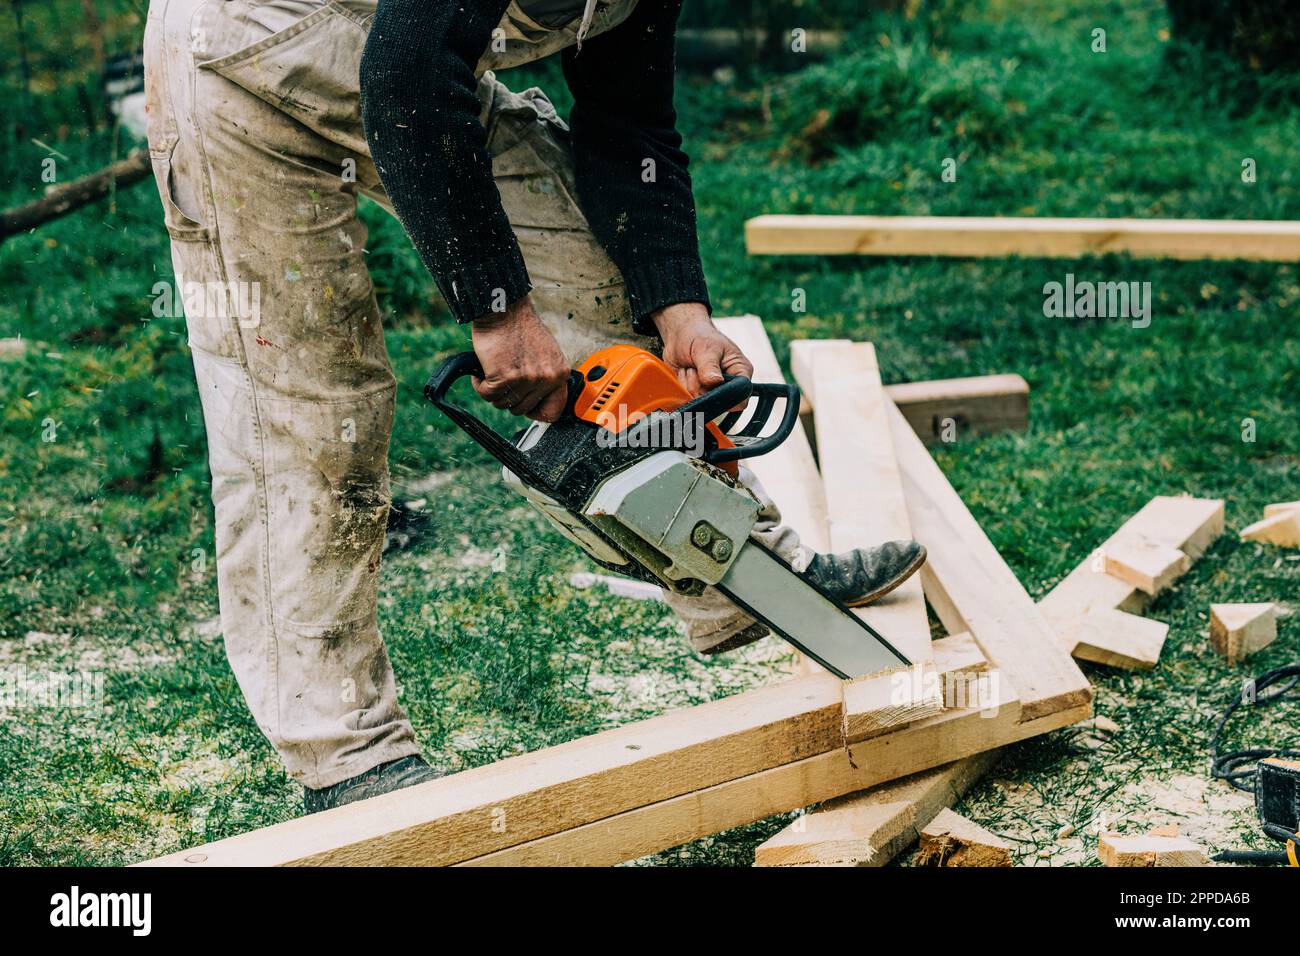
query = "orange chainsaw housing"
x=623 y=384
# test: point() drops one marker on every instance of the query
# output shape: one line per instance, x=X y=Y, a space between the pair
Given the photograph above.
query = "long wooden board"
x=585 y=782
x=972 y=589
x=865 y=507
x=869 y=762
x=1268 y=240
x=788 y=472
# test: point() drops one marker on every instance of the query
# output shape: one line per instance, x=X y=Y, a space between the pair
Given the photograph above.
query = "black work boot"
x=864 y=575
x=855 y=578
x=387 y=777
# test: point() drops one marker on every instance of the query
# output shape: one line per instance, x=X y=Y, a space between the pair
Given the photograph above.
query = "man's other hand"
x=524 y=370
x=696 y=350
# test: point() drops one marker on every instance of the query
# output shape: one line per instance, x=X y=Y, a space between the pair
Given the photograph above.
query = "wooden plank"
x=952 y=840
x=788 y=472
x=872 y=827
x=958 y=654
x=977 y=405
x=973 y=405
x=1093 y=612
x=1267 y=240
x=857 y=453
x=532 y=795
x=1279 y=507
x=973 y=589
x=671 y=763
x=691 y=816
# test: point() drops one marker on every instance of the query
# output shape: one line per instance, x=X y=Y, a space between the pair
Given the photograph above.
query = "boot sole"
x=880 y=592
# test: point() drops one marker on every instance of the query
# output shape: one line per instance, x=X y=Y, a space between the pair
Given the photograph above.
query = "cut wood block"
x=977 y=405
x=1115 y=638
x=1265 y=240
x=1161 y=847
x=1150 y=566
x=952 y=840
x=1280 y=507
x=1281 y=528
x=1239 y=630
x=1095 y=613
x=872 y=827
x=856 y=452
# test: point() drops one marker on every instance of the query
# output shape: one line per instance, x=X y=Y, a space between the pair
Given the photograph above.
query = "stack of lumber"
x=1002 y=676
x=889 y=751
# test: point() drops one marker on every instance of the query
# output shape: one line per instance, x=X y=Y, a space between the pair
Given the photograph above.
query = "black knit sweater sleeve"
x=420 y=110
x=633 y=183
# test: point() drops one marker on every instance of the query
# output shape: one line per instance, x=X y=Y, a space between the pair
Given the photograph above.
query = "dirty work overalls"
x=258 y=151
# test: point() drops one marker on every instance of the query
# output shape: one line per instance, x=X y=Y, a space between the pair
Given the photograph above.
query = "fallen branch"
x=63 y=199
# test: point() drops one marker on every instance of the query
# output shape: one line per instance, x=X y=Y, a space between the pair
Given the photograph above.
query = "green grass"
x=105 y=531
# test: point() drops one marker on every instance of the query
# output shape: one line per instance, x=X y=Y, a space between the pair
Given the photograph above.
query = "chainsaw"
x=643 y=477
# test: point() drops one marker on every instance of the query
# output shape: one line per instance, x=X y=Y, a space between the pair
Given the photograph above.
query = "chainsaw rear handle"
x=464 y=365
x=735 y=390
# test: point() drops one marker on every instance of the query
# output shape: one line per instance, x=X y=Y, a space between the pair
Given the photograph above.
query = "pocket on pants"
x=532 y=160
x=308 y=69
x=181 y=225
x=326 y=471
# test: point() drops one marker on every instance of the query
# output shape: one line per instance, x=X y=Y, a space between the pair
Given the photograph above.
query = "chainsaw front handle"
x=748 y=442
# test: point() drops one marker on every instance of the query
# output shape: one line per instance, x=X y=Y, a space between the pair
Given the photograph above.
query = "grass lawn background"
x=105 y=531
